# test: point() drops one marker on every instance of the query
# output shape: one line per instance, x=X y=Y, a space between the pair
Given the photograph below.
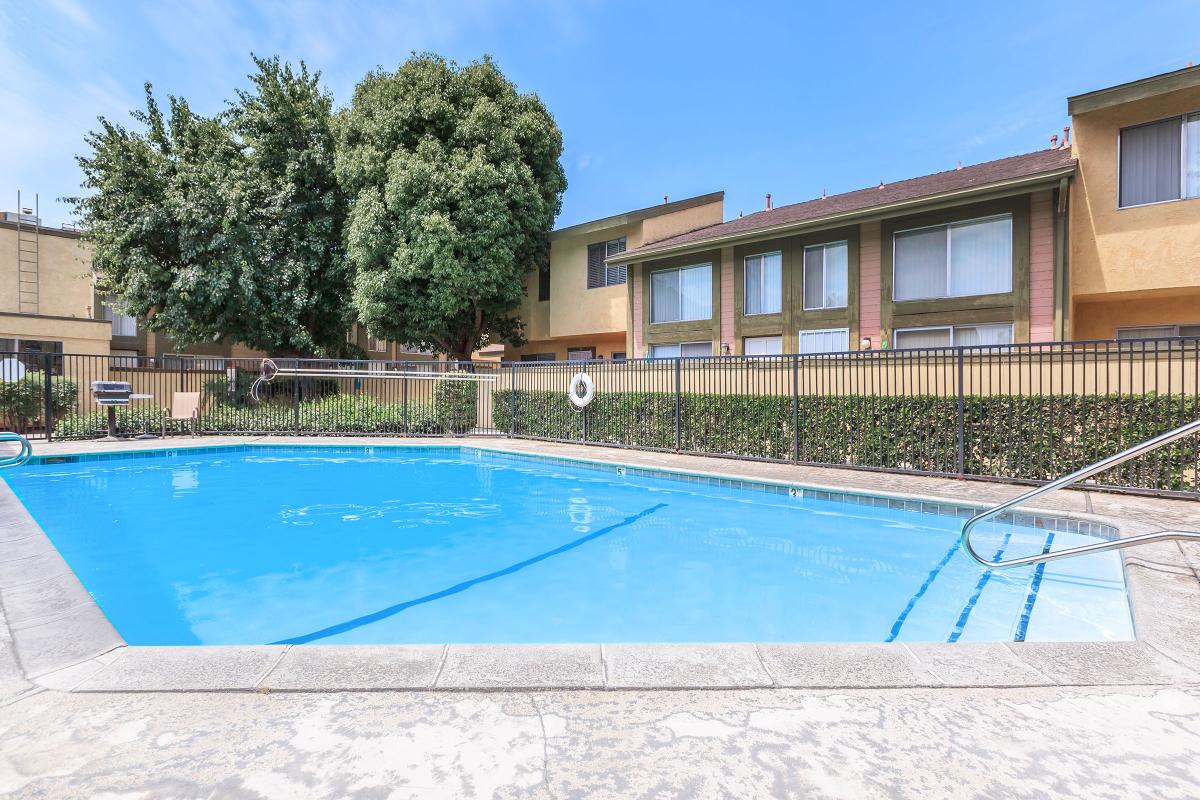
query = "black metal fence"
x=1028 y=412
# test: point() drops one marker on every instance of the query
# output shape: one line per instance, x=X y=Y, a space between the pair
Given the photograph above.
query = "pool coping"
x=63 y=641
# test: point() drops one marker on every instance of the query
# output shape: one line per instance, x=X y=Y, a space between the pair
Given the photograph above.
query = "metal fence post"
x=404 y=402
x=296 y=402
x=512 y=387
x=678 y=416
x=960 y=434
x=796 y=408
x=47 y=395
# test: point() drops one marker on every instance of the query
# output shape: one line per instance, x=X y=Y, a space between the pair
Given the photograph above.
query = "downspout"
x=1062 y=287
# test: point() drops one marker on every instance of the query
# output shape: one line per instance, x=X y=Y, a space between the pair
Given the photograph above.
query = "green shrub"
x=22 y=402
x=1030 y=437
x=131 y=420
x=456 y=405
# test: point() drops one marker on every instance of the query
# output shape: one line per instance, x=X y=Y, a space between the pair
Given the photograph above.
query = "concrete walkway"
x=988 y=743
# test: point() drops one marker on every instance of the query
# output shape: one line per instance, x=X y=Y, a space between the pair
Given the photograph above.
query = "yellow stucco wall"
x=82 y=336
x=1100 y=319
x=1145 y=248
x=64 y=273
x=689 y=219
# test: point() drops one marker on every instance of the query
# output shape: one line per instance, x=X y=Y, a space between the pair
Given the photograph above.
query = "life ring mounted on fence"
x=581 y=391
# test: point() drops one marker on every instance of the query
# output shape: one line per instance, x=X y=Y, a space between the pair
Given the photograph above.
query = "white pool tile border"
x=71 y=646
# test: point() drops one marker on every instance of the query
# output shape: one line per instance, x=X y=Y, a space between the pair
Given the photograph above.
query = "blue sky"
x=654 y=98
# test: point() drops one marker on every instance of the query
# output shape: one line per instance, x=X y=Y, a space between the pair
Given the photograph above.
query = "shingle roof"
x=954 y=180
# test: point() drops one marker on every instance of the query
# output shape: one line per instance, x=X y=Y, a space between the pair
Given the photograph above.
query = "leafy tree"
x=454 y=179
x=225 y=226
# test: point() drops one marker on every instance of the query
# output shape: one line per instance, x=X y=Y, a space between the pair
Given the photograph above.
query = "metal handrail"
x=1067 y=480
x=22 y=455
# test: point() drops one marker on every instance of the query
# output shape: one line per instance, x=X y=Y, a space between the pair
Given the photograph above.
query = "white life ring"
x=582 y=390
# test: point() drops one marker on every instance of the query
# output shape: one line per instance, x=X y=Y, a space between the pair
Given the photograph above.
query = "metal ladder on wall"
x=22 y=455
x=28 y=258
x=1067 y=480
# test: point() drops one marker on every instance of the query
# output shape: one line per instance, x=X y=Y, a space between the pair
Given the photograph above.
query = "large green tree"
x=229 y=226
x=454 y=180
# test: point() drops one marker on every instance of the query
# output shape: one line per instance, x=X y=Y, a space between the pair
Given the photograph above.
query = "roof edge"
x=638 y=215
x=1140 y=89
x=650 y=252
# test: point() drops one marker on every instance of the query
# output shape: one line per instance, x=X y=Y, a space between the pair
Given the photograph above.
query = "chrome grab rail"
x=1075 y=477
x=22 y=455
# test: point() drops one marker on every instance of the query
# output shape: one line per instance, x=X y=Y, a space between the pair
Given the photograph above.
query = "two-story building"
x=973 y=255
x=1135 y=209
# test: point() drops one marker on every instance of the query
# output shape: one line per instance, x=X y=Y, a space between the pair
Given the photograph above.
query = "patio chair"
x=185 y=407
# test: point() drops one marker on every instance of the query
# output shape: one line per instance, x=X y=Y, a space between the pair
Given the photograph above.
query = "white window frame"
x=376 y=345
x=1177 y=326
x=948 y=226
x=588 y=353
x=680 y=345
x=953 y=331
x=746 y=339
x=824 y=275
x=117 y=318
x=681 y=270
x=746 y=280
x=1183 y=165
x=802 y=331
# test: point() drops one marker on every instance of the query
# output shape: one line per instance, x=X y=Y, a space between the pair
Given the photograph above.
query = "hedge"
x=333 y=414
x=22 y=401
x=1028 y=436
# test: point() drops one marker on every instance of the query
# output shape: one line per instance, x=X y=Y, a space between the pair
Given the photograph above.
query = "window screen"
x=1150 y=162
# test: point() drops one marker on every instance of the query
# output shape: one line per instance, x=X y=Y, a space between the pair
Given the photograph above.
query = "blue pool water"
x=263 y=544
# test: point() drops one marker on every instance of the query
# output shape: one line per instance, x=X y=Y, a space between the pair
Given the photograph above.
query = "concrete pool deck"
x=82 y=715
x=63 y=641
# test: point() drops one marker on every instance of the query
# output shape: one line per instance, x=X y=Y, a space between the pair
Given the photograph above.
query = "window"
x=684 y=350
x=1158 y=331
x=123 y=359
x=581 y=353
x=683 y=294
x=122 y=324
x=376 y=345
x=954 y=336
x=1159 y=161
x=538 y=357
x=764 y=284
x=826 y=340
x=601 y=274
x=957 y=260
x=762 y=345
x=825 y=282
x=544 y=283
x=619 y=356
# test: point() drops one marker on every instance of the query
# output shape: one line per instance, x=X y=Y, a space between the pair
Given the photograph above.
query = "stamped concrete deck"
x=83 y=715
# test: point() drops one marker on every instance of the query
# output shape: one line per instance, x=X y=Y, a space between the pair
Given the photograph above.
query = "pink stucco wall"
x=869 y=298
x=1041 y=268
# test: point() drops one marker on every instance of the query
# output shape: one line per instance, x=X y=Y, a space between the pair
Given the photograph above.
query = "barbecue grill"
x=109 y=395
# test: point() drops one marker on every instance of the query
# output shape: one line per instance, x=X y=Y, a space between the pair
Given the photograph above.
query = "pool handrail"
x=1067 y=480
x=22 y=455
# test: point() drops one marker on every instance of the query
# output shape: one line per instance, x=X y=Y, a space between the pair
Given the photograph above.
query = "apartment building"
x=578 y=307
x=47 y=299
x=1135 y=209
x=972 y=255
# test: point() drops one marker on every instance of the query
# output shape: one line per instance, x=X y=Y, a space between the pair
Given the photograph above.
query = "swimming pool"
x=256 y=544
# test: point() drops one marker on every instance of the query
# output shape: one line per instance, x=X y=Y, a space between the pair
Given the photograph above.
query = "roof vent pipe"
x=1053 y=141
x=769 y=206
